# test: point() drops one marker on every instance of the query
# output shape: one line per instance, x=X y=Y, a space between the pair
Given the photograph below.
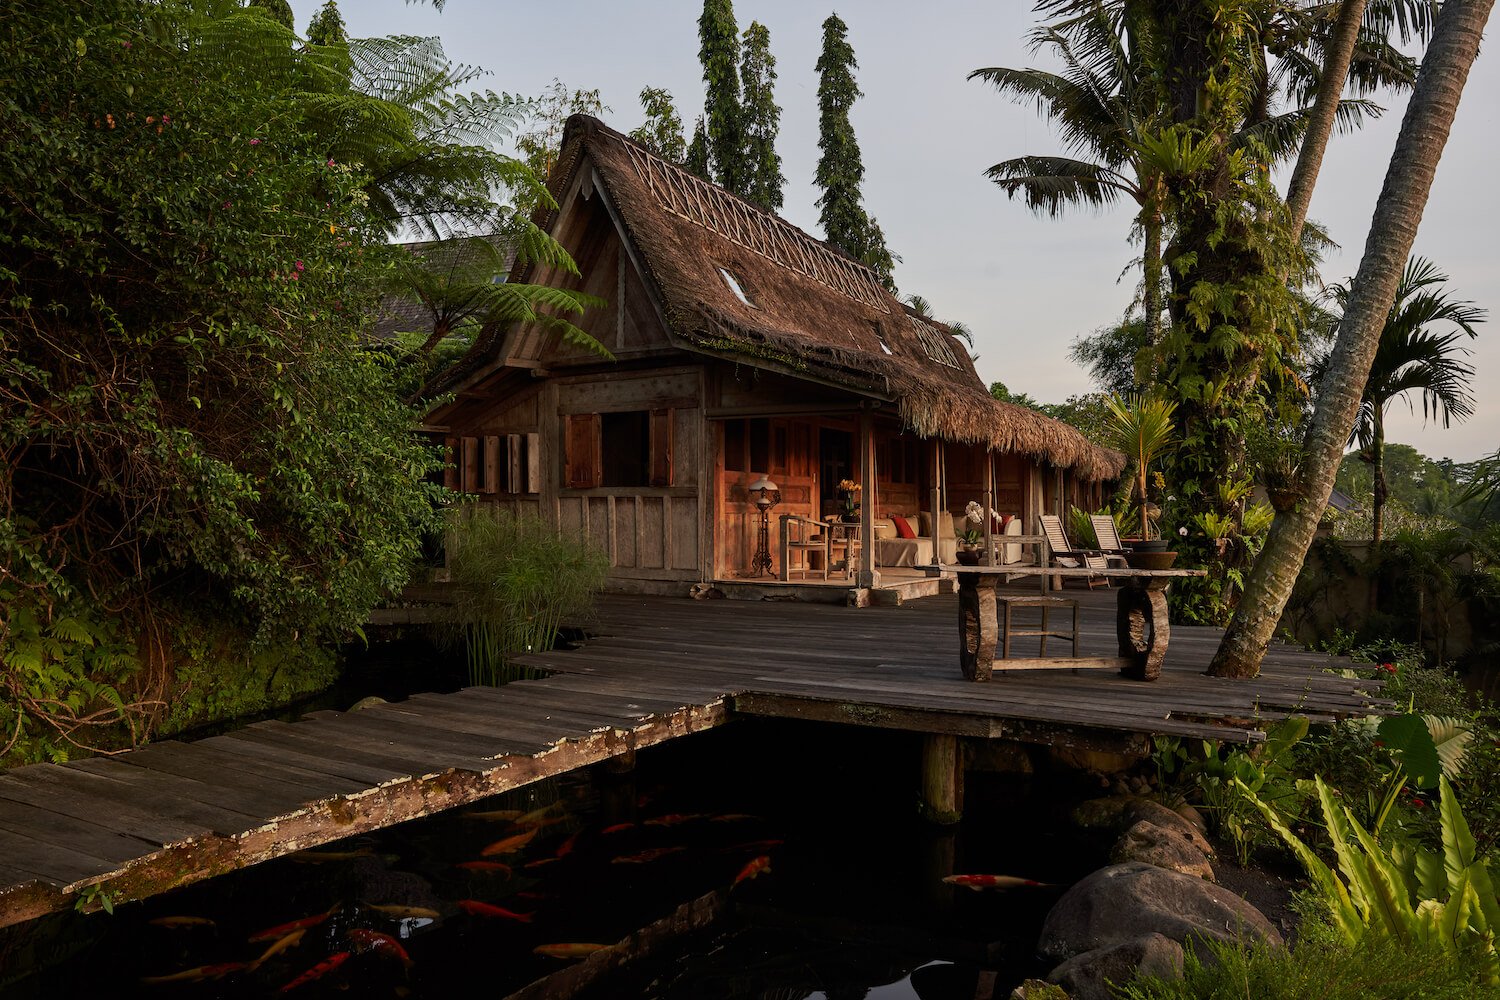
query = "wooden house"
x=742 y=348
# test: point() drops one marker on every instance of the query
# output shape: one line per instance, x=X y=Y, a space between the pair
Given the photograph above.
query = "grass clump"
x=516 y=578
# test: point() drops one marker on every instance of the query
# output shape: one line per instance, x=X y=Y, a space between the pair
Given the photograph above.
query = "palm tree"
x=1096 y=104
x=1408 y=182
x=1412 y=357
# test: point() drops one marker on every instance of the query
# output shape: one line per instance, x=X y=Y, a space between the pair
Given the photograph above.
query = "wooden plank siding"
x=655 y=669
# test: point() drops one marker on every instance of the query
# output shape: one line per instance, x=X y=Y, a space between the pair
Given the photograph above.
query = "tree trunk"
x=1377 y=468
x=1325 y=109
x=1398 y=213
x=1151 y=297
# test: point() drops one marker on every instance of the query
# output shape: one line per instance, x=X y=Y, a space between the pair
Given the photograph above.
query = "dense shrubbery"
x=194 y=438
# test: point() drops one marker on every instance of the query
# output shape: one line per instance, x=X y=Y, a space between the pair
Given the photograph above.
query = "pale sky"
x=1027 y=286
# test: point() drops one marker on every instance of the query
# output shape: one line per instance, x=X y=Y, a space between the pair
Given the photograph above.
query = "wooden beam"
x=942 y=791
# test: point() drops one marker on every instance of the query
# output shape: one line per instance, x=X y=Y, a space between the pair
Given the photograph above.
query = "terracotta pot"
x=1150 y=560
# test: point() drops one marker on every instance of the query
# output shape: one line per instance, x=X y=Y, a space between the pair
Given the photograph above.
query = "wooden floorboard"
x=653 y=669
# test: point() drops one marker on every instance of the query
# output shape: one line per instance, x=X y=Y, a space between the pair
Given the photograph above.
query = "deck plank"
x=653 y=669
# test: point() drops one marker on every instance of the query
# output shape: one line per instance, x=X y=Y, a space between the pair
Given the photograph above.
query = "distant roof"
x=1341 y=501
x=403 y=313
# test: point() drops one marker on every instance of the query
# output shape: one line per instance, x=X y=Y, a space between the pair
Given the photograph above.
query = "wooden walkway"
x=172 y=813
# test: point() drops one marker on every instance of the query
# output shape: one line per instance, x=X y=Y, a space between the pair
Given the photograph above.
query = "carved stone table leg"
x=1143 y=628
x=976 y=625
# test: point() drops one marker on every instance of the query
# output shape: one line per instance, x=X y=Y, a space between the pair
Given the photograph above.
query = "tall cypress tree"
x=697 y=151
x=762 y=118
x=719 y=53
x=327 y=26
x=840 y=168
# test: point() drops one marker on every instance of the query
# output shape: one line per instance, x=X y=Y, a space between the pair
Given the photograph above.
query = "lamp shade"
x=761 y=491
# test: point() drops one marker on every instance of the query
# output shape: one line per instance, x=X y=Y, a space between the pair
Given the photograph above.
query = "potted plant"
x=849 y=492
x=970 y=539
x=1141 y=426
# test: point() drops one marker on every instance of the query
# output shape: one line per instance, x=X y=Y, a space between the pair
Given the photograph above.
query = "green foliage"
x=327 y=26
x=719 y=53
x=1319 y=966
x=190 y=422
x=1416 y=897
x=761 y=119
x=1142 y=428
x=540 y=139
x=1267 y=769
x=841 y=169
x=515 y=579
x=279 y=11
x=661 y=132
x=697 y=151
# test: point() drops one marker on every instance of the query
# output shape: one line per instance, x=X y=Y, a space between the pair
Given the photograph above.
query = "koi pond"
x=760 y=860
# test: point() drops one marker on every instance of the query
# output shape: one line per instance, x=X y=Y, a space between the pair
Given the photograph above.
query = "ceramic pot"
x=1150 y=560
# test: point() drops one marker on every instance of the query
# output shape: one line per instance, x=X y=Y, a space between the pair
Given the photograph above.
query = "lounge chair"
x=1064 y=555
x=1108 y=536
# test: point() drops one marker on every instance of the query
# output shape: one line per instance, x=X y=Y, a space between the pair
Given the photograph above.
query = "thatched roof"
x=805 y=307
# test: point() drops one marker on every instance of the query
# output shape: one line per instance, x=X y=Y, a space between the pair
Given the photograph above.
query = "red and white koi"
x=475 y=908
x=979 y=882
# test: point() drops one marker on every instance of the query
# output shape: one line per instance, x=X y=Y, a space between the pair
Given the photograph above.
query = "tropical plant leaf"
x=1409 y=741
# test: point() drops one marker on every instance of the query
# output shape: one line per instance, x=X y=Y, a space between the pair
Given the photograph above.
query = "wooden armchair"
x=1066 y=556
x=809 y=541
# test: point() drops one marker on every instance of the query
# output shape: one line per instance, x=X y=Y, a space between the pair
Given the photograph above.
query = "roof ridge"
x=726 y=214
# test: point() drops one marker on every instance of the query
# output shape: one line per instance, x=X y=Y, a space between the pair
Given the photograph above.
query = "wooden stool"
x=1046 y=604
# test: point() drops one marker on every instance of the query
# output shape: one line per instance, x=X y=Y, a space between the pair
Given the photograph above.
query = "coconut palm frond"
x=1050 y=184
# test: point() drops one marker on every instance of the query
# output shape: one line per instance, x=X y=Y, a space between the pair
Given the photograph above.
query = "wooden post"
x=868 y=577
x=939 y=477
x=989 y=504
x=942 y=779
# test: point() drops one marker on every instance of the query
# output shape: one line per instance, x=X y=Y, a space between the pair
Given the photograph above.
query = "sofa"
x=894 y=551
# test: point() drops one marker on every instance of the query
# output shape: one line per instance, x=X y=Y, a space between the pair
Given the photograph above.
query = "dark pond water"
x=850 y=902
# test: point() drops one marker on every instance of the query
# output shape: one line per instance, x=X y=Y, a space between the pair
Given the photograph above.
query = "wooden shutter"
x=471 y=465
x=513 y=458
x=492 y=483
x=661 y=447
x=581 y=442
x=533 y=463
x=450 y=463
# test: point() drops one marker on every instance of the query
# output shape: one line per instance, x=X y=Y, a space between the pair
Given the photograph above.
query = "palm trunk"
x=1325 y=109
x=1377 y=468
x=1151 y=298
x=1398 y=212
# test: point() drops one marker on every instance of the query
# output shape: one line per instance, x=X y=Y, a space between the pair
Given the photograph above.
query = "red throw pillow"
x=903 y=530
x=1005 y=520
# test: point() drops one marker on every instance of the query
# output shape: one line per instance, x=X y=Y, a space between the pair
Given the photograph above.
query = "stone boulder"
x=1171 y=848
x=1123 y=902
x=1088 y=976
x=1102 y=814
x=1155 y=813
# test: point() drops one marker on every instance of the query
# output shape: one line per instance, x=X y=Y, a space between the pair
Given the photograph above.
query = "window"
x=735 y=287
x=495 y=463
x=622 y=449
x=626 y=448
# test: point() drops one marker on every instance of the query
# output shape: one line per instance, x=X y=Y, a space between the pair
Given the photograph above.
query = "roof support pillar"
x=989 y=505
x=939 y=498
x=869 y=576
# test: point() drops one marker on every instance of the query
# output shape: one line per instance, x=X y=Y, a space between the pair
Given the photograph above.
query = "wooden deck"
x=172 y=813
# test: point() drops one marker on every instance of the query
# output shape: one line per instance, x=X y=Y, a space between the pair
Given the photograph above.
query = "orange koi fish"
x=179 y=923
x=568 y=950
x=318 y=971
x=618 y=828
x=478 y=909
x=399 y=912
x=539 y=862
x=675 y=819
x=486 y=866
x=647 y=856
x=376 y=941
x=994 y=882
x=566 y=847
x=495 y=815
x=196 y=975
x=282 y=930
x=509 y=845
x=755 y=868
x=282 y=944
x=540 y=817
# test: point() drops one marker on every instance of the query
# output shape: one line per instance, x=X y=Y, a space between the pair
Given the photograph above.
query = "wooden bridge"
x=172 y=813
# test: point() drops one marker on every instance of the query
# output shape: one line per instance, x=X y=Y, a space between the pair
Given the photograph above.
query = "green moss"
x=215 y=682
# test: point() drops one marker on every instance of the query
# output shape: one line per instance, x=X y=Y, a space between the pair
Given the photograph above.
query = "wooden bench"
x=1141 y=622
x=1008 y=630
